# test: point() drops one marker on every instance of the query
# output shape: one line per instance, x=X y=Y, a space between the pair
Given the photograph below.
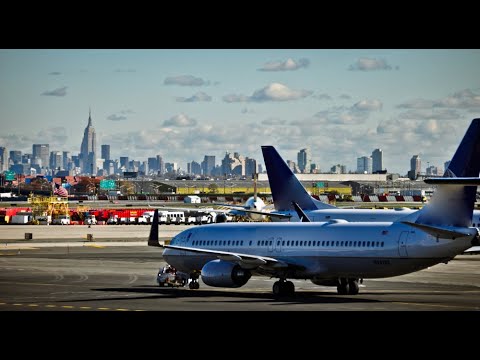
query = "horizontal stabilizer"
x=463 y=181
x=438 y=231
x=301 y=214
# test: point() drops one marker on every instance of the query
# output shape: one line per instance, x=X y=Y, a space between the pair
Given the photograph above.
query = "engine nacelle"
x=220 y=218
x=221 y=273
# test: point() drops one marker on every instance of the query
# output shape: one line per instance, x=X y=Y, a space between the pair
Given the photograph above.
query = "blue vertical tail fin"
x=285 y=186
x=454 y=199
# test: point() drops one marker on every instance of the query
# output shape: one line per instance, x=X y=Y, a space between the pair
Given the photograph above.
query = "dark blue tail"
x=452 y=204
x=285 y=186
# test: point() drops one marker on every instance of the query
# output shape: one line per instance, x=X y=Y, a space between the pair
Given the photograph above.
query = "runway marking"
x=121 y=309
x=51 y=306
x=85 y=307
x=103 y=308
x=67 y=306
x=33 y=305
x=437 y=305
x=17 y=304
x=3 y=303
x=95 y=246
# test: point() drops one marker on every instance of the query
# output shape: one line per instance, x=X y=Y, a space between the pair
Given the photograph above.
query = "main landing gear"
x=347 y=286
x=283 y=287
x=194 y=284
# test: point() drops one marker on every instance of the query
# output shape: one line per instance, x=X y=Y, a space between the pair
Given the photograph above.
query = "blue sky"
x=184 y=104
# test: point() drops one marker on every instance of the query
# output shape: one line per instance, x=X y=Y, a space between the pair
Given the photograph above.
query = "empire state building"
x=88 y=158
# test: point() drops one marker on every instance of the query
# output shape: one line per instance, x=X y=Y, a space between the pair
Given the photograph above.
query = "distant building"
x=415 y=167
x=3 y=159
x=106 y=152
x=41 y=153
x=88 y=155
x=446 y=164
x=208 y=164
x=15 y=156
x=377 y=160
x=250 y=167
x=303 y=160
x=364 y=165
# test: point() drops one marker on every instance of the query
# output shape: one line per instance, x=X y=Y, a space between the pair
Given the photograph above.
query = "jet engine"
x=221 y=273
x=220 y=218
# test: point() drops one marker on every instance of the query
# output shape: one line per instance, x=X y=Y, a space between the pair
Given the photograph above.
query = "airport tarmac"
x=16 y=233
x=93 y=277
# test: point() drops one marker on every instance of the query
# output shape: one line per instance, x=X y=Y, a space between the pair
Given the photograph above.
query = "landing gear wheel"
x=343 y=288
x=353 y=286
x=277 y=288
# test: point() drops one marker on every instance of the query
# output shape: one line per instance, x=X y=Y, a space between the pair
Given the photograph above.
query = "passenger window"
x=283 y=243
x=382 y=243
x=341 y=244
x=296 y=243
x=323 y=243
x=368 y=243
x=363 y=243
x=288 y=243
x=228 y=243
x=250 y=243
x=309 y=243
x=337 y=243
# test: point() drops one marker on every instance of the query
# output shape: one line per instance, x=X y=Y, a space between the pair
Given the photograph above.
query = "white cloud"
x=278 y=92
x=369 y=64
x=286 y=65
x=368 y=105
x=424 y=114
x=57 y=92
x=199 y=96
x=345 y=97
x=271 y=92
x=417 y=104
x=465 y=99
x=185 y=80
x=180 y=120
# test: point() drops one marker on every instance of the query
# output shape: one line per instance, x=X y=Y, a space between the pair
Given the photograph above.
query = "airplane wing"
x=245 y=259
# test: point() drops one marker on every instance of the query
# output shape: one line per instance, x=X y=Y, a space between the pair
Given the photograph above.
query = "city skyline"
x=184 y=104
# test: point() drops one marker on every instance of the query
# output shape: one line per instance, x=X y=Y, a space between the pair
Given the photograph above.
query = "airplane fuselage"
x=320 y=250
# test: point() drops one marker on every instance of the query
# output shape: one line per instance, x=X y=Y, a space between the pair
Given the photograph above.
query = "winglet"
x=153 y=238
x=285 y=186
x=301 y=214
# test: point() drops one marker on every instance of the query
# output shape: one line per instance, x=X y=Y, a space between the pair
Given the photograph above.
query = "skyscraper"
x=415 y=167
x=106 y=152
x=208 y=164
x=303 y=160
x=3 y=159
x=377 y=160
x=41 y=154
x=88 y=156
x=364 y=165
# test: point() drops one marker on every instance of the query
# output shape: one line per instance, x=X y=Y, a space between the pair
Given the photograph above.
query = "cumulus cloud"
x=55 y=73
x=436 y=114
x=368 y=105
x=417 y=104
x=127 y=111
x=56 y=137
x=279 y=92
x=57 y=92
x=287 y=65
x=200 y=96
x=180 y=120
x=115 y=117
x=345 y=97
x=369 y=64
x=465 y=99
x=185 y=80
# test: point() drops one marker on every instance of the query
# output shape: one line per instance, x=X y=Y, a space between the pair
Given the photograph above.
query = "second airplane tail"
x=285 y=186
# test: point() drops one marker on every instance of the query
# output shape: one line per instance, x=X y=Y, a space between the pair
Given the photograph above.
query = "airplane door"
x=271 y=243
x=402 y=244
x=278 y=244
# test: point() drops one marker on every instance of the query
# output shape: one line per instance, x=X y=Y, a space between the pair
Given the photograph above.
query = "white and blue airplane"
x=286 y=189
x=336 y=253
